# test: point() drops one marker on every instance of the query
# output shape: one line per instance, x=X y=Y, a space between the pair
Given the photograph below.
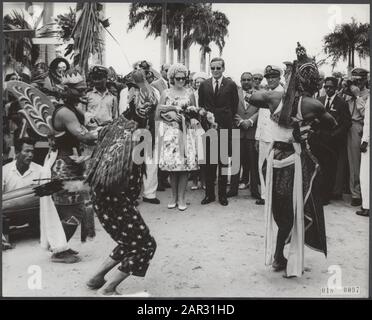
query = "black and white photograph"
x=185 y=150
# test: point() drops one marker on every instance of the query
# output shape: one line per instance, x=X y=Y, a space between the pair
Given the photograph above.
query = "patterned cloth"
x=66 y=168
x=121 y=219
x=178 y=148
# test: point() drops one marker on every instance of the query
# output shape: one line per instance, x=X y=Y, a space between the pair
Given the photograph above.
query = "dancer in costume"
x=115 y=181
x=291 y=170
x=70 y=164
x=63 y=125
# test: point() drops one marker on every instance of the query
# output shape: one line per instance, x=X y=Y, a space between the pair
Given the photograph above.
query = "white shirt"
x=264 y=122
x=101 y=106
x=214 y=81
x=246 y=94
x=365 y=137
x=123 y=100
x=12 y=178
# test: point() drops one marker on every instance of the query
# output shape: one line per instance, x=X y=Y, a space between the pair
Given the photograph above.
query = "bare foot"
x=96 y=283
x=142 y=294
x=106 y=293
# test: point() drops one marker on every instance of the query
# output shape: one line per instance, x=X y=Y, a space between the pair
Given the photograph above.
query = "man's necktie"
x=245 y=99
x=216 y=89
x=328 y=103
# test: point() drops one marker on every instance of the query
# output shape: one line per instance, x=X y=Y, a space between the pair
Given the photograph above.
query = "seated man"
x=21 y=172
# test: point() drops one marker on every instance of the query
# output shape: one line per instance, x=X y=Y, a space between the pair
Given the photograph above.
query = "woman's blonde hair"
x=174 y=69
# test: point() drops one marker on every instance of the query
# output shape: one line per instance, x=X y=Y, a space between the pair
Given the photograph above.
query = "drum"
x=23 y=199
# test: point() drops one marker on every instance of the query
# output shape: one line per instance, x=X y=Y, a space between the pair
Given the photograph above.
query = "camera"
x=346 y=90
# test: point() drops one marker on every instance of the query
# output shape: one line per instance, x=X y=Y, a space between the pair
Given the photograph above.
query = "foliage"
x=202 y=26
x=86 y=33
x=20 y=47
x=347 y=39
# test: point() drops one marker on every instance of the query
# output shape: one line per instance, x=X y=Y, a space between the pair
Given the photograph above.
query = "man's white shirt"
x=263 y=131
x=219 y=83
x=12 y=178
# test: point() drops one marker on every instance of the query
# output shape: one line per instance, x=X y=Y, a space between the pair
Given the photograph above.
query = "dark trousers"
x=327 y=158
x=162 y=178
x=249 y=164
x=342 y=172
x=211 y=170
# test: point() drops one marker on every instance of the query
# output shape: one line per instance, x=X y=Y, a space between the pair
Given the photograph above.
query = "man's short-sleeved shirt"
x=102 y=106
x=12 y=179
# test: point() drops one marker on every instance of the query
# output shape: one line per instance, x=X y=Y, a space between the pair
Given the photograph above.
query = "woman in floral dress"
x=178 y=135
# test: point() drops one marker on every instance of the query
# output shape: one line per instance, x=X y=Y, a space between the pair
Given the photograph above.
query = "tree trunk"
x=171 y=50
x=202 y=60
x=187 y=58
x=178 y=55
x=209 y=63
x=349 y=67
x=163 y=45
x=352 y=57
x=47 y=51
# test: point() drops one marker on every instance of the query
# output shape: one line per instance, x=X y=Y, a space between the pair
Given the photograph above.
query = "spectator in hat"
x=263 y=132
x=102 y=106
x=357 y=93
x=11 y=77
x=53 y=84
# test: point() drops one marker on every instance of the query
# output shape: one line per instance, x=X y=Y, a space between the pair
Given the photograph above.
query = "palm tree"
x=215 y=30
x=87 y=33
x=18 y=36
x=345 y=40
x=201 y=25
x=151 y=15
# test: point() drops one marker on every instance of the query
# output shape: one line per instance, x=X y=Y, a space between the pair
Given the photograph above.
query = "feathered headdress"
x=303 y=77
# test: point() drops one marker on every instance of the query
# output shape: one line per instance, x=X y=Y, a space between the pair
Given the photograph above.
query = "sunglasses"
x=180 y=79
x=246 y=80
x=216 y=68
x=258 y=79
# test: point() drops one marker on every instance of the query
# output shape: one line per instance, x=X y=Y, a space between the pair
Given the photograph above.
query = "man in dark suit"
x=219 y=96
x=329 y=145
x=246 y=121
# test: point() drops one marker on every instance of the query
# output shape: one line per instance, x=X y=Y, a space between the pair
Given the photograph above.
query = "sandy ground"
x=206 y=251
